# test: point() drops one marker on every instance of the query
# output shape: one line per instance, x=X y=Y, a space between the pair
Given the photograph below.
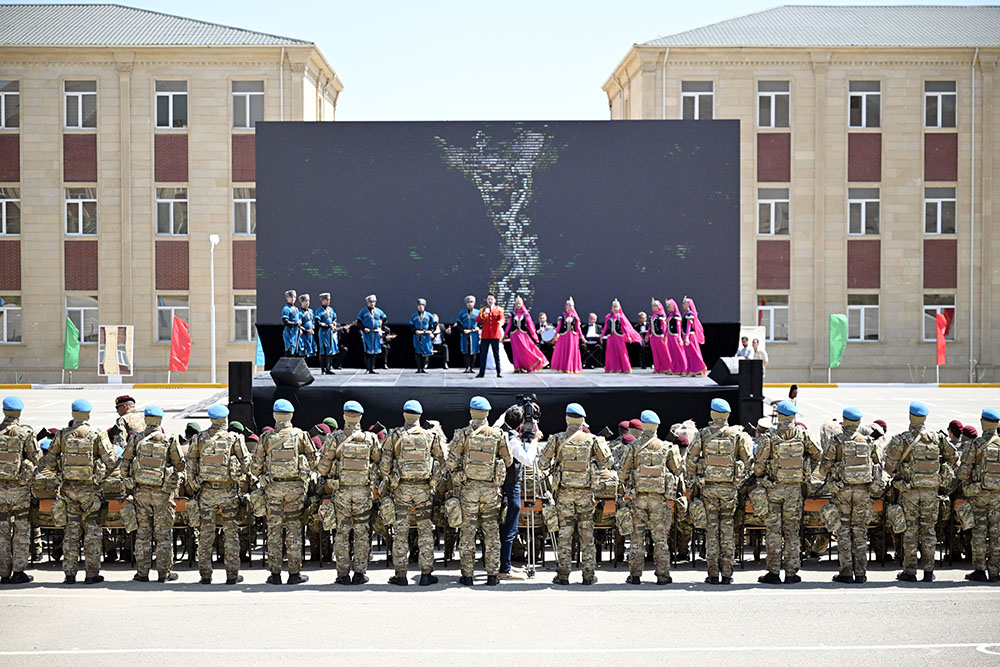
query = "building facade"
x=867 y=177
x=126 y=142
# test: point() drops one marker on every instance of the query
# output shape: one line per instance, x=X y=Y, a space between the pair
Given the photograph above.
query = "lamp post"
x=213 y=239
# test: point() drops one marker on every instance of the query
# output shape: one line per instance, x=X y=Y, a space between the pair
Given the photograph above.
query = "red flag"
x=180 y=345
x=942 y=331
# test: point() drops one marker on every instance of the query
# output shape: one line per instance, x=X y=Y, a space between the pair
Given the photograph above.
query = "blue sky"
x=469 y=60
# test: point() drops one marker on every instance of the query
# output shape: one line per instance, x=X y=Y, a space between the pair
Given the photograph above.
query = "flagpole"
x=937 y=373
x=829 y=372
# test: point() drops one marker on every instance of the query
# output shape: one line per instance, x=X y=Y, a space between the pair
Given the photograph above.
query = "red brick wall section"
x=10 y=265
x=171 y=159
x=940 y=157
x=244 y=264
x=773 y=261
x=10 y=158
x=774 y=157
x=940 y=263
x=80 y=158
x=171 y=265
x=864 y=157
x=244 y=158
x=864 y=263
x=81 y=265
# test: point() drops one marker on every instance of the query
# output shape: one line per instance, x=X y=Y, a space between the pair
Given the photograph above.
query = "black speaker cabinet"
x=726 y=371
x=291 y=372
x=240 y=381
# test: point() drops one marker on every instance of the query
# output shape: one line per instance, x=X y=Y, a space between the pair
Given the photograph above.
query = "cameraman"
x=524 y=454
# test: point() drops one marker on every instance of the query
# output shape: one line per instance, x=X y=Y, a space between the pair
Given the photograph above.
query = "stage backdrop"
x=593 y=210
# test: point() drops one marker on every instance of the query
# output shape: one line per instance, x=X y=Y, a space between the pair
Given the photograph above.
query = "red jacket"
x=492 y=322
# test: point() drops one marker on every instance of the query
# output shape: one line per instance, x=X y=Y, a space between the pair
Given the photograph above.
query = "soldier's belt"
x=790 y=462
x=353 y=464
x=480 y=456
x=413 y=456
x=149 y=462
x=855 y=460
x=76 y=459
x=283 y=455
x=717 y=460
x=215 y=459
x=575 y=465
x=925 y=466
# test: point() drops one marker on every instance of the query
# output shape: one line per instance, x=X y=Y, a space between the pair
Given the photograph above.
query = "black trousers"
x=484 y=344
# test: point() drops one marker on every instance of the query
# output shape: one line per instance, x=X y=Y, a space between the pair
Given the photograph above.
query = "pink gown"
x=658 y=343
x=566 y=355
x=619 y=331
x=694 y=336
x=675 y=345
x=523 y=342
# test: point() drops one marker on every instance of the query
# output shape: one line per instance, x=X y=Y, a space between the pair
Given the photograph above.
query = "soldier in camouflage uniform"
x=651 y=471
x=411 y=457
x=282 y=462
x=129 y=422
x=217 y=465
x=980 y=476
x=915 y=459
x=349 y=463
x=571 y=457
x=19 y=454
x=716 y=463
x=74 y=455
x=150 y=465
x=851 y=465
x=783 y=465
x=478 y=458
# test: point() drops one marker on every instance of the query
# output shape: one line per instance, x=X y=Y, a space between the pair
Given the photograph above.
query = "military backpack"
x=355 y=460
x=926 y=456
x=414 y=460
x=481 y=454
x=788 y=456
x=216 y=451
x=651 y=471
x=11 y=453
x=78 y=454
x=858 y=468
x=150 y=463
x=574 y=459
x=283 y=456
x=990 y=470
x=720 y=456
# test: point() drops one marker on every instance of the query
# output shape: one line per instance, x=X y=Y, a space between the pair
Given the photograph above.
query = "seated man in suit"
x=592 y=346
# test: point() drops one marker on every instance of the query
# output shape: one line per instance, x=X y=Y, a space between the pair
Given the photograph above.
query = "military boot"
x=232 y=581
x=976 y=575
x=70 y=579
x=427 y=579
x=906 y=576
x=792 y=578
x=769 y=578
x=633 y=579
x=399 y=580
x=205 y=580
x=297 y=578
x=466 y=581
x=492 y=580
x=344 y=580
x=142 y=578
x=663 y=581
x=21 y=578
x=928 y=576
x=359 y=578
x=725 y=581
x=95 y=579
x=843 y=579
x=274 y=579
x=4 y=580
x=714 y=581
x=860 y=579
x=560 y=580
x=164 y=578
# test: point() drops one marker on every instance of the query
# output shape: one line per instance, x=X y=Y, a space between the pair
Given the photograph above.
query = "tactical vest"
x=355 y=460
x=926 y=457
x=858 y=467
x=414 y=460
x=150 y=463
x=651 y=468
x=787 y=458
x=574 y=456
x=990 y=475
x=283 y=456
x=78 y=454
x=215 y=461
x=481 y=454
x=11 y=454
x=720 y=457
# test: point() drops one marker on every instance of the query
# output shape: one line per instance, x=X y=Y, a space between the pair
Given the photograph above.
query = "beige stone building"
x=868 y=171
x=126 y=141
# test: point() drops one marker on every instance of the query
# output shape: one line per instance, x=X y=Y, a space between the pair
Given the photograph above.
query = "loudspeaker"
x=751 y=379
x=726 y=371
x=240 y=381
x=291 y=372
x=242 y=412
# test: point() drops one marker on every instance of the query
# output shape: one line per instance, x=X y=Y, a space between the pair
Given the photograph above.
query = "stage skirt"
x=661 y=354
x=527 y=356
x=616 y=355
x=566 y=356
x=677 y=360
x=694 y=362
x=491 y=363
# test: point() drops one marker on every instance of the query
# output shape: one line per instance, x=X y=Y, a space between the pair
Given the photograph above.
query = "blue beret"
x=13 y=403
x=354 y=406
x=918 y=409
x=282 y=405
x=44 y=444
x=153 y=411
x=219 y=411
x=649 y=417
x=414 y=407
x=852 y=414
x=720 y=405
x=787 y=408
x=82 y=405
x=576 y=410
x=479 y=403
x=991 y=415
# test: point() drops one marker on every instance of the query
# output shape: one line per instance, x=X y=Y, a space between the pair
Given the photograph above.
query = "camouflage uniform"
x=914 y=459
x=980 y=475
x=408 y=459
x=350 y=459
x=128 y=424
x=478 y=458
x=283 y=461
x=716 y=463
x=74 y=454
x=784 y=460
x=146 y=467
x=19 y=454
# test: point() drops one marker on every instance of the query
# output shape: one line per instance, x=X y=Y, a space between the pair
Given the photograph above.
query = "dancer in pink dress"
x=523 y=340
x=694 y=338
x=566 y=355
x=675 y=343
x=617 y=331
x=658 y=339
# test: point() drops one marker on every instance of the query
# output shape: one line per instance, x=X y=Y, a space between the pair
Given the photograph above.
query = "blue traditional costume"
x=469 y=341
x=307 y=341
x=290 y=318
x=372 y=320
x=326 y=335
x=423 y=343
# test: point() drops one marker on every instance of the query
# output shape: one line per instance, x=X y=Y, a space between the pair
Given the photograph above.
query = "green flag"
x=71 y=355
x=838 y=339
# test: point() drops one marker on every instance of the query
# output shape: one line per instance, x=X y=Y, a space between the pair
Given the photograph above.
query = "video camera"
x=529 y=424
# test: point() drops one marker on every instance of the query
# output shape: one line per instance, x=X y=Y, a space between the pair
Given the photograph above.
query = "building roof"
x=812 y=25
x=117 y=25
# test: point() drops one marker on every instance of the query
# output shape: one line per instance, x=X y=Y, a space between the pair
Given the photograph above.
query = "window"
x=865 y=103
x=940 y=104
x=862 y=317
x=81 y=211
x=81 y=103
x=82 y=312
x=171 y=211
x=10 y=104
x=245 y=317
x=171 y=104
x=934 y=304
x=772 y=211
x=248 y=103
x=245 y=210
x=772 y=314
x=862 y=209
x=167 y=308
x=939 y=210
x=773 y=103
x=696 y=100
x=10 y=211
x=10 y=319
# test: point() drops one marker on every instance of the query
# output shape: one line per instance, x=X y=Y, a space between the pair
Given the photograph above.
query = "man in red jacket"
x=491 y=320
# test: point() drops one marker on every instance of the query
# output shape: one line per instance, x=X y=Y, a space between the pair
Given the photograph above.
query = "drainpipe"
x=281 y=83
x=972 y=223
x=666 y=53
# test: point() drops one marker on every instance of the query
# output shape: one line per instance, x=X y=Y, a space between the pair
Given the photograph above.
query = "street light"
x=213 y=239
